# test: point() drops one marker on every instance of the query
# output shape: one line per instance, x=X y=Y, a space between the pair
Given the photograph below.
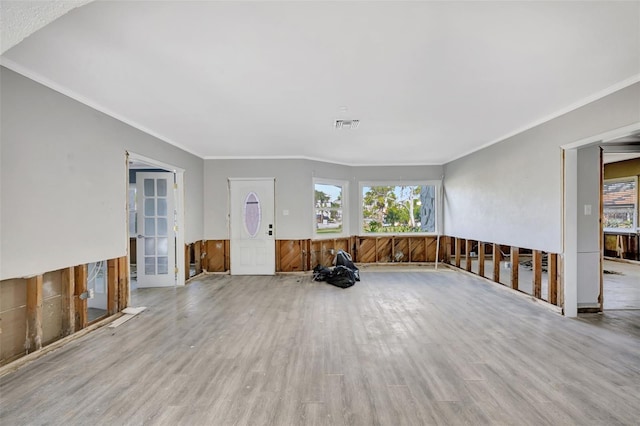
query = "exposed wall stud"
x=515 y=266
x=458 y=252
x=553 y=279
x=112 y=286
x=537 y=274
x=123 y=283
x=481 y=247
x=497 y=257
x=80 y=302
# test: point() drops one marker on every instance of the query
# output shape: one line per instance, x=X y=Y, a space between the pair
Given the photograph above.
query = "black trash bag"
x=320 y=273
x=343 y=258
x=341 y=276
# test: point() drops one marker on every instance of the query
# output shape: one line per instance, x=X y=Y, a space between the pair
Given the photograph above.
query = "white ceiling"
x=429 y=81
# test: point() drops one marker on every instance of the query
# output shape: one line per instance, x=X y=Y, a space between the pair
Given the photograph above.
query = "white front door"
x=156 y=242
x=253 y=248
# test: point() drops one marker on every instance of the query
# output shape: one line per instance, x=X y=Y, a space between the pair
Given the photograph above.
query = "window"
x=328 y=200
x=406 y=208
x=620 y=197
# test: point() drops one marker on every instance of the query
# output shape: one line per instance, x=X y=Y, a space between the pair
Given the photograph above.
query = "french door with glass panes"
x=156 y=243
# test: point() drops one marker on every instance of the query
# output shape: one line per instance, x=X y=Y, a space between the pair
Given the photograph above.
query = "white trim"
x=604 y=137
x=438 y=202
x=572 y=107
x=318 y=159
x=8 y=63
x=344 y=184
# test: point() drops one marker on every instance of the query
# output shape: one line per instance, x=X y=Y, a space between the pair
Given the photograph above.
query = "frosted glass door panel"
x=156 y=239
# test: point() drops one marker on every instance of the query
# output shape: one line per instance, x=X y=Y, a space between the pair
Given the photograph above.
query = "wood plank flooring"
x=398 y=348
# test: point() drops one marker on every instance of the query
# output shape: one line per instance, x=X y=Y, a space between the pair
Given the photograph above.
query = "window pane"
x=163 y=247
x=149 y=265
x=163 y=265
x=148 y=188
x=149 y=227
x=149 y=246
x=162 y=187
x=620 y=204
x=399 y=208
x=328 y=208
x=162 y=226
x=162 y=207
x=328 y=221
x=149 y=207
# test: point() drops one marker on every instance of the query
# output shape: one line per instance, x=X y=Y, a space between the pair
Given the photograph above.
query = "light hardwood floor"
x=397 y=348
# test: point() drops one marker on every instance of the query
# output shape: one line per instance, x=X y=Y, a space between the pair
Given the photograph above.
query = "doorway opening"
x=621 y=223
x=155 y=194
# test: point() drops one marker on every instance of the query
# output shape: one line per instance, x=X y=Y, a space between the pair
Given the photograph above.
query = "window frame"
x=438 y=206
x=635 y=226
x=344 y=184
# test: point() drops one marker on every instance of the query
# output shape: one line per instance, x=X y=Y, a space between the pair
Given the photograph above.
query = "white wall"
x=64 y=182
x=588 y=238
x=294 y=190
x=511 y=192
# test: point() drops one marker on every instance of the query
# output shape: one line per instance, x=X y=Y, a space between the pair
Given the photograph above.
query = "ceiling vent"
x=347 y=124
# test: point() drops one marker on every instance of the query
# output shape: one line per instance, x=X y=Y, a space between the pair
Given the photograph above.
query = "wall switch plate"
x=285 y=212
x=587 y=209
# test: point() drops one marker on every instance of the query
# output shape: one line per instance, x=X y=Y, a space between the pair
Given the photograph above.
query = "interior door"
x=253 y=248
x=156 y=247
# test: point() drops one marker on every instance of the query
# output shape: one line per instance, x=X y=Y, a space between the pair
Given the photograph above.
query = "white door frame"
x=179 y=193
x=570 y=211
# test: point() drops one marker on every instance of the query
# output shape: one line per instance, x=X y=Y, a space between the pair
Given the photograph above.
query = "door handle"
x=140 y=236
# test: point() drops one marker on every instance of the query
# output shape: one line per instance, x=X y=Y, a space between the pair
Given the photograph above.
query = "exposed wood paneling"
x=112 y=286
x=307 y=255
x=553 y=279
x=431 y=243
x=187 y=261
x=497 y=257
x=448 y=249
x=515 y=266
x=123 y=283
x=367 y=250
x=458 y=252
x=481 y=256
x=289 y=255
x=537 y=274
x=418 y=250
x=68 y=302
x=215 y=257
x=400 y=250
x=34 y=314
x=80 y=272
x=227 y=255
x=384 y=250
